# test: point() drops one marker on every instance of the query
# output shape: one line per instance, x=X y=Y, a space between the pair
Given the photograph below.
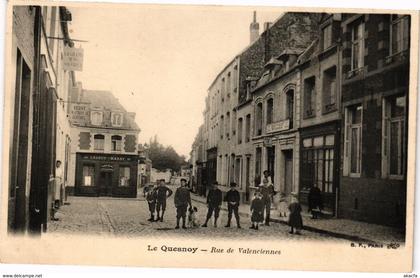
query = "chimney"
x=254 y=29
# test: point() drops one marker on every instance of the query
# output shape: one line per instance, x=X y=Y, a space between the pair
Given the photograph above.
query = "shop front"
x=319 y=163
x=113 y=175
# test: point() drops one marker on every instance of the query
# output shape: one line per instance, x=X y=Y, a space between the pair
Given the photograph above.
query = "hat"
x=233 y=184
x=183 y=180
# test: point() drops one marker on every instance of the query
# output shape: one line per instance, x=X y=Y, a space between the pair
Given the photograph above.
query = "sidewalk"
x=340 y=228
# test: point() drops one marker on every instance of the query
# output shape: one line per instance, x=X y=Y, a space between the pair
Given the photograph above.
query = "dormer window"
x=96 y=117
x=327 y=36
x=117 y=119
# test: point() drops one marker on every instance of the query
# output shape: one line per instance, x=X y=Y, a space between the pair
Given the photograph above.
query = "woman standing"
x=295 y=218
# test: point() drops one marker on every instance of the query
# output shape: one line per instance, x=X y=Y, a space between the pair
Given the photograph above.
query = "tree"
x=164 y=157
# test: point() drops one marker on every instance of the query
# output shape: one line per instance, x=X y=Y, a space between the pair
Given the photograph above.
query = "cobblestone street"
x=128 y=217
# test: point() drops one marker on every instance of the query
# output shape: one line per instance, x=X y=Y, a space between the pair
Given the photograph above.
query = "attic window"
x=117 y=119
x=327 y=37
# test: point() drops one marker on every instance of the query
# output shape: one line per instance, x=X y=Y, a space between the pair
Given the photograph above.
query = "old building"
x=276 y=112
x=228 y=117
x=40 y=129
x=375 y=68
x=104 y=146
x=321 y=113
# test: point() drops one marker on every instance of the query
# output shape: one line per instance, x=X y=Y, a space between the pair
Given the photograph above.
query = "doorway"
x=247 y=173
x=105 y=186
x=271 y=157
x=288 y=171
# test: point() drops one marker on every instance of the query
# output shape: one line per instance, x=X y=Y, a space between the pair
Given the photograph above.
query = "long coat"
x=295 y=219
x=257 y=208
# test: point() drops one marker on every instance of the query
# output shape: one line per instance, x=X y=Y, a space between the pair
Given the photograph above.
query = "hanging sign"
x=73 y=59
x=79 y=113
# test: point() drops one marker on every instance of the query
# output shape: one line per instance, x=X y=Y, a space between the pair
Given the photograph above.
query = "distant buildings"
x=104 y=146
x=318 y=100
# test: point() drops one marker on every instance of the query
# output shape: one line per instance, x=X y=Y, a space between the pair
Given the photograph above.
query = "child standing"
x=151 y=201
x=283 y=207
x=257 y=209
x=295 y=218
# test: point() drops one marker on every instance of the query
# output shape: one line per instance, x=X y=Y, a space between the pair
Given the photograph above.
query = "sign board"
x=79 y=113
x=73 y=59
x=278 y=126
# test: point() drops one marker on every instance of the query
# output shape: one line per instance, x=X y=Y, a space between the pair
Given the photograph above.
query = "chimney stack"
x=254 y=29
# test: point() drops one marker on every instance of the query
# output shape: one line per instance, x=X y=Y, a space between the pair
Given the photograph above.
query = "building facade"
x=375 y=85
x=40 y=130
x=104 y=146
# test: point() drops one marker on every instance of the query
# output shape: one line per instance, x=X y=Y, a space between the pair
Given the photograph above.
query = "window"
x=393 y=136
x=353 y=138
x=240 y=123
x=99 y=141
x=399 y=33
x=357 y=45
x=117 y=119
x=258 y=119
x=309 y=97
x=88 y=175
x=222 y=126
x=234 y=122
x=318 y=163
x=329 y=89
x=227 y=128
x=327 y=37
x=228 y=84
x=290 y=105
x=116 y=143
x=222 y=95
x=247 y=128
x=269 y=111
x=124 y=177
x=96 y=117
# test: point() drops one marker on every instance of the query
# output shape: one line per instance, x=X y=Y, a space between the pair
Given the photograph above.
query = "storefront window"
x=124 y=178
x=88 y=175
x=318 y=163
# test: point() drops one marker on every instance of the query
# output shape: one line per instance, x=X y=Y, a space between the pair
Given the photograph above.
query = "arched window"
x=99 y=140
x=116 y=143
x=290 y=107
x=269 y=115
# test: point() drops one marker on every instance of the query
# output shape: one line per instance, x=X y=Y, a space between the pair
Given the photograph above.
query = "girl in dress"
x=257 y=209
x=295 y=218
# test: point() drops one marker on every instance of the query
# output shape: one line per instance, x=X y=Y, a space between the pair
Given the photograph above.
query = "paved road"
x=128 y=217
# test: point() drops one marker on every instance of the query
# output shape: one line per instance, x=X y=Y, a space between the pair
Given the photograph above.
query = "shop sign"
x=107 y=157
x=278 y=126
x=73 y=59
x=107 y=167
x=79 y=113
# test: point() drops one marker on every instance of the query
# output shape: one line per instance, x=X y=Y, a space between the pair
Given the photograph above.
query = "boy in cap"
x=214 y=202
x=182 y=199
x=151 y=201
x=162 y=193
x=233 y=198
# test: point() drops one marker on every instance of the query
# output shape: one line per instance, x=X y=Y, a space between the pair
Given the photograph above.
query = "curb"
x=307 y=228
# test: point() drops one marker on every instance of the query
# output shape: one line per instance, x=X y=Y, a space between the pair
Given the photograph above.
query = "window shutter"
x=346 y=143
x=385 y=138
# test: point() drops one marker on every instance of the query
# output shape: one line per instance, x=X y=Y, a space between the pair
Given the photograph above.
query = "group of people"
x=156 y=197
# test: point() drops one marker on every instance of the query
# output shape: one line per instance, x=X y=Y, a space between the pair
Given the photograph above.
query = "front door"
x=288 y=172
x=105 y=186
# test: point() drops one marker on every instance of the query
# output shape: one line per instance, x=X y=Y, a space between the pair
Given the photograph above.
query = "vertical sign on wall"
x=73 y=59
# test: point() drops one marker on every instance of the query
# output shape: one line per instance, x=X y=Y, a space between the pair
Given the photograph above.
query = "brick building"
x=104 y=146
x=375 y=85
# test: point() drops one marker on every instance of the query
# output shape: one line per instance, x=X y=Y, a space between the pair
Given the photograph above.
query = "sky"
x=160 y=60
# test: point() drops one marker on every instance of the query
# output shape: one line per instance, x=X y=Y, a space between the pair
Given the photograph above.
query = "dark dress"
x=257 y=209
x=315 y=199
x=295 y=219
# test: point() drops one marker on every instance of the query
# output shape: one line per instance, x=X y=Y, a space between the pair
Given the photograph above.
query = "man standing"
x=214 y=201
x=151 y=201
x=162 y=193
x=58 y=188
x=266 y=190
x=182 y=200
x=233 y=198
